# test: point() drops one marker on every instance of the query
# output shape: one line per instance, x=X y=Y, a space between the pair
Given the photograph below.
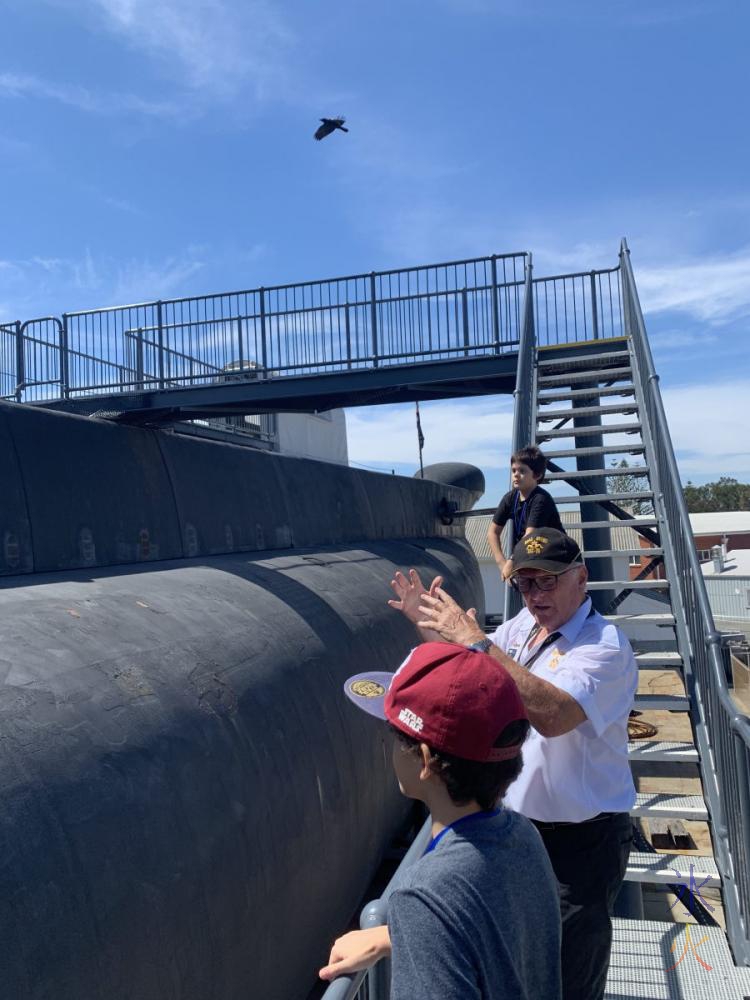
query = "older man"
x=577 y=677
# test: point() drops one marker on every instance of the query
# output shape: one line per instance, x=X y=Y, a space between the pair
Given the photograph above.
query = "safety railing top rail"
x=722 y=731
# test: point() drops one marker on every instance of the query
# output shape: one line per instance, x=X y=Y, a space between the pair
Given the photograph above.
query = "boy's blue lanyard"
x=518 y=519
x=472 y=817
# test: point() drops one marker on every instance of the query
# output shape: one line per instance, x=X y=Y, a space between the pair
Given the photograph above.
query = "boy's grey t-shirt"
x=478 y=917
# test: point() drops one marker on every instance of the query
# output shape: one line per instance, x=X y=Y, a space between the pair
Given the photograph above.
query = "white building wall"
x=313 y=435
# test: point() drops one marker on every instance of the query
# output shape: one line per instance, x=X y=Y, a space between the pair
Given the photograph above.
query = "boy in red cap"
x=477 y=916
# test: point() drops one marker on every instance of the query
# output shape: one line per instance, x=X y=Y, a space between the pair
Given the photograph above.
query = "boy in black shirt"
x=527 y=505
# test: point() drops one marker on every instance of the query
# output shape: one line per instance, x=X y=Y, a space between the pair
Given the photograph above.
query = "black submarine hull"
x=189 y=808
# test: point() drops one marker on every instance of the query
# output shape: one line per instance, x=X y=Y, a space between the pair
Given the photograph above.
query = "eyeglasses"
x=548 y=581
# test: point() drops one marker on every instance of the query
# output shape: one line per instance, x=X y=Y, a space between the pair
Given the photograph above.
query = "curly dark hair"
x=533 y=457
x=470 y=780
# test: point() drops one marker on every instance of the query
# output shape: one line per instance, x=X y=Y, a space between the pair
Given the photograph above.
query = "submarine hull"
x=189 y=807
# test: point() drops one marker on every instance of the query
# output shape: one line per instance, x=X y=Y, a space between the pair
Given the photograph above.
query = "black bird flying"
x=329 y=125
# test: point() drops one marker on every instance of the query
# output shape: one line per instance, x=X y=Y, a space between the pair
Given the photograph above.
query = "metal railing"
x=524 y=404
x=453 y=310
x=570 y=308
x=722 y=732
x=374 y=983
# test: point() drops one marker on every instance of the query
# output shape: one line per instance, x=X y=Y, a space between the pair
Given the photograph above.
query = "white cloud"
x=212 y=46
x=15 y=85
x=712 y=289
x=709 y=428
x=473 y=431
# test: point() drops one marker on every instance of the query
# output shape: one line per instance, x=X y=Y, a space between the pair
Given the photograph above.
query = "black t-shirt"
x=538 y=510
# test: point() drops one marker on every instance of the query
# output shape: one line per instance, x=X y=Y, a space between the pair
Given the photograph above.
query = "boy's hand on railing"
x=356 y=950
x=409 y=593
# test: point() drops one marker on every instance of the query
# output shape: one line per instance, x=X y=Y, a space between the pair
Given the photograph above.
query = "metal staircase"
x=588 y=404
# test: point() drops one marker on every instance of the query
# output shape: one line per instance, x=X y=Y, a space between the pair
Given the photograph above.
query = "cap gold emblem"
x=367 y=689
x=535 y=546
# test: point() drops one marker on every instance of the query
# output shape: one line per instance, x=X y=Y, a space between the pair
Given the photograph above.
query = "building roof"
x=736 y=565
x=724 y=522
x=476 y=534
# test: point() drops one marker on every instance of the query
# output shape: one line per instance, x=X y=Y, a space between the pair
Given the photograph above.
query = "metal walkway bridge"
x=430 y=332
x=573 y=350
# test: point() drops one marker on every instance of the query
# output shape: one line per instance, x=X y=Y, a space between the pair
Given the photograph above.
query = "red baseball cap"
x=450 y=697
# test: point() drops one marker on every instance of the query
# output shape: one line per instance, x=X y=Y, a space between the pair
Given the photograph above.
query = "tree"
x=725 y=494
x=630 y=482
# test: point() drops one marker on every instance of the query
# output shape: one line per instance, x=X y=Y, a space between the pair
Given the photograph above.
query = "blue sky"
x=157 y=148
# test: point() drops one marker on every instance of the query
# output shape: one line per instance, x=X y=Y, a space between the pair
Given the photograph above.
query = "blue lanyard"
x=518 y=520
x=472 y=817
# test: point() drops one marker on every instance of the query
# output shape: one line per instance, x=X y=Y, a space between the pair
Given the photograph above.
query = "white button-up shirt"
x=573 y=777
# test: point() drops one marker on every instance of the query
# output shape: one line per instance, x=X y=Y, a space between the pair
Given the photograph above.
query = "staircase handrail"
x=523 y=399
x=722 y=730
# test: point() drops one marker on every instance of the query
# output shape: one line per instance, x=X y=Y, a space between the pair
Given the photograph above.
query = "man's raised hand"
x=439 y=613
x=409 y=593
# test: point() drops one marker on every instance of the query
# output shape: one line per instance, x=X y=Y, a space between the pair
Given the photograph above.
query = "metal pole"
x=240 y=350
x=263 y=347
x=64 y=356
x=139 y=358
x=373 y=321
x=420 y=441
x=495 y=311
x=348 y=337
x=465 y=314
x=20 y=366
x=160 y=342
x=594 y=312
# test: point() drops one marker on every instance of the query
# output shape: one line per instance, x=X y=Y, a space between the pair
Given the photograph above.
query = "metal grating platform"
x=644 y=950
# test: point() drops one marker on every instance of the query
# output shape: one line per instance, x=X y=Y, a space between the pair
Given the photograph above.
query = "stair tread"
x=663 y=750
x=629 y=584
x=659 y=661
x=632 y=470
x=604 y=449
x=661 y=702
x=602 y=390
x=581 y=359
x=627 y=522
x=645 y=963
x=585 y=431
x=663 y=869
x=665 y=805
x=586 y=411
x=664 y=618
x=604 y=553
x=604 y=497
x=600 y=375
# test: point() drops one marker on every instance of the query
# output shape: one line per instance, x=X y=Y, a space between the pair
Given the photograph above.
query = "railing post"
x=20 y=362
x=64 y=357
x=263 y=348
x=495 y=309
x=594 y=312
x=465 y=315
x=139 y=358
x=240 y=351
x=348 y=336
x=160 y=342
x=378 y=975
x=373 y=321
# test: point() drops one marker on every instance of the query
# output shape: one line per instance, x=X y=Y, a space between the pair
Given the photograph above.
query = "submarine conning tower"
x=184 y=788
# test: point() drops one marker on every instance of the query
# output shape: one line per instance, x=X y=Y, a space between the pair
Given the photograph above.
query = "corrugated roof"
x=729 y=522
x=476 y=534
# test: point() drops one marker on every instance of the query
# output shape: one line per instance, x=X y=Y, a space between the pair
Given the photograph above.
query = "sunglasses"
x=524 y=584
